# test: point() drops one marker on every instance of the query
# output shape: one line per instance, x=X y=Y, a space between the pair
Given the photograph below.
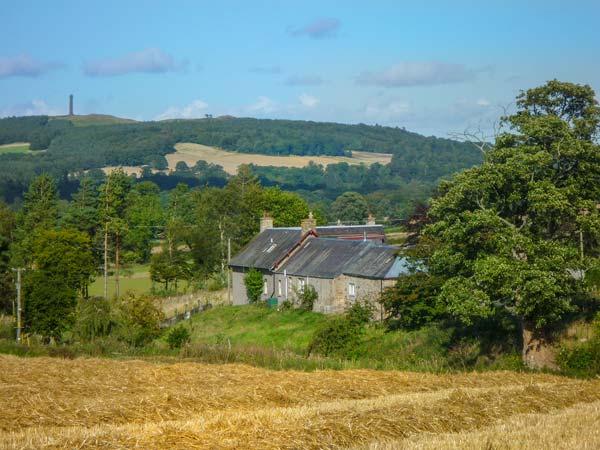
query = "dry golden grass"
x=53 y=403
x=230 y=161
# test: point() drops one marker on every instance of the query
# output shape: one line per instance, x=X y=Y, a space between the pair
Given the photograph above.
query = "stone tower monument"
x=71 y=104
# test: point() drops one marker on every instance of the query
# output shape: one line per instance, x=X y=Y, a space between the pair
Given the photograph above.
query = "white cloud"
x=195 y=109
x=415 y=73
x=308 y=100
x=25 y=66
x=151 y=60
x=386 y=110
x=263 y=105
x=483 y=102
x=318 y=29
x=32 y=108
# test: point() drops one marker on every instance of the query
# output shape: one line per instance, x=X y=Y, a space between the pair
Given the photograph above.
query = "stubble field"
x=192 y=153
x=101 y=403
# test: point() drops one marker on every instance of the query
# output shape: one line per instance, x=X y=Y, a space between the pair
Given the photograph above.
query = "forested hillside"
x=71 y=149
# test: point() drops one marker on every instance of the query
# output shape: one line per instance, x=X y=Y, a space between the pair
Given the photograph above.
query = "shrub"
x=343 y=334
x=254 y=285
x=178 y=337
x=139 y=319
x=582 y=359
x=217 y=282
x=307 y=298
x=94 y=317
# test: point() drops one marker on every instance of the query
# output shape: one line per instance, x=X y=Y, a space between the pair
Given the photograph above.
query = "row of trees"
x=118 y=221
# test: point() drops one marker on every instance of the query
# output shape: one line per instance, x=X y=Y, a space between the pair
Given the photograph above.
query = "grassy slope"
x=257 y=326
x=18 y=147
x=94 y=119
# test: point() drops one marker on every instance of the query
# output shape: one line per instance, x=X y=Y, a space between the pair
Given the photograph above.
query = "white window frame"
x=351 y=290
x=265 y=287
x=301 y=285
x=279 y=288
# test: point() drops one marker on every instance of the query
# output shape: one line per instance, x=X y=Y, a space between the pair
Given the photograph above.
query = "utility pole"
x=228 y=271
x=106 y=262
x=19 y=304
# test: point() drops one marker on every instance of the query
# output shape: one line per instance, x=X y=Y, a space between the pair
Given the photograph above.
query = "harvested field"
x=94 y=403
x=192 y=153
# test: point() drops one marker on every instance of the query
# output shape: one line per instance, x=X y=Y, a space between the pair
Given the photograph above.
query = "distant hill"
x=93 y=119
x=94 y=141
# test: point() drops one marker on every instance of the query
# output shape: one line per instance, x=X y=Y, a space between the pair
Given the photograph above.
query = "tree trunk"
x=538 y=351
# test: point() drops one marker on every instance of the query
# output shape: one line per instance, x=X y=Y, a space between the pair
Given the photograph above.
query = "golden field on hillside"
x=192 y=153
x=101 y=403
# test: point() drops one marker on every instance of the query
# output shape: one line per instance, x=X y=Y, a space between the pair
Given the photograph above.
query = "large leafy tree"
x=7 y=225
x=518 y=232
x=63 y=265
x=39 y=212
x=350 y=207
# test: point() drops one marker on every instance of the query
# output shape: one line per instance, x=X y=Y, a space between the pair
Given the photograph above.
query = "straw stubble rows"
x=55 y=403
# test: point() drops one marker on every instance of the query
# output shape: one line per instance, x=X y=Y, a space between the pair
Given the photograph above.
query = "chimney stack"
x=370 y=220
x=266 y=222
x=71 y=104
x=308 y=224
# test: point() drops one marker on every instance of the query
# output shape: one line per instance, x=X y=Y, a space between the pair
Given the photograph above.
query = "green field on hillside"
x=135 y=279
x=17 y=147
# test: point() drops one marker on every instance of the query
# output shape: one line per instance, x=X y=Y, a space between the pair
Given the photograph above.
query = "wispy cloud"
x=25 y=66
x=308 y=101
x=417 y=73
x=304 y=80
x=32 y=108
x=195 y=109
x=263 y=105
x=319 y=29
x=151 y=60
x=267 y=70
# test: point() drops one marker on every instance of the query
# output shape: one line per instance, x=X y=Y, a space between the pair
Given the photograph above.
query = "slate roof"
x=329 y=258
x=267 y=248
x=356 y=232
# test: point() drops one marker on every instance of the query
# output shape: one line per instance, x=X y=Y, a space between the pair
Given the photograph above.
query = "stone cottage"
x=342 y=263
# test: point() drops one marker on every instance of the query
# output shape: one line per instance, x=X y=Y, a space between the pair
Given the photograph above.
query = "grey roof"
x=329 y=258
x=267 y=248
x=352 y=231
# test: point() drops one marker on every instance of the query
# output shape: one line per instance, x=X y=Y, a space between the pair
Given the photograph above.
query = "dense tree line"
x=73 y=149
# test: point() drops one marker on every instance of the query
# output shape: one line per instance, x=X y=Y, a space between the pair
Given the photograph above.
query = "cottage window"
x=289 y=285
x=351 y=289
x=279 y=291
x=301 y=283
x=265 y=287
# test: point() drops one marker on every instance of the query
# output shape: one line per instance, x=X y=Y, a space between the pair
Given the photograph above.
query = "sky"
x=433 y=67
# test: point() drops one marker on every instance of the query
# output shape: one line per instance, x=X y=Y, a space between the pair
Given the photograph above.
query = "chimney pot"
x=309 y=223
x=370 y=219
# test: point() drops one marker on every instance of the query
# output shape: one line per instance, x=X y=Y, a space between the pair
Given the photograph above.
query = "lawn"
x=17 y=147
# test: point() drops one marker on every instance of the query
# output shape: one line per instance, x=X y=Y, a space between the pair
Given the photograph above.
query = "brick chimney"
x=266 y=222
x=370 y=220
x=308 y=224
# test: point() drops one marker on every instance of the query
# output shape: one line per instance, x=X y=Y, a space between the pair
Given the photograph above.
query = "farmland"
x=17 y=147
x=192 y=153
x=143 y=404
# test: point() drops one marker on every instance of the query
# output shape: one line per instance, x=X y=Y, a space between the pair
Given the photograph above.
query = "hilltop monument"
x=71 y=104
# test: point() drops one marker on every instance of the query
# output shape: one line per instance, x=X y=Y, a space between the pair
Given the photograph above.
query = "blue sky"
x=432 y=67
